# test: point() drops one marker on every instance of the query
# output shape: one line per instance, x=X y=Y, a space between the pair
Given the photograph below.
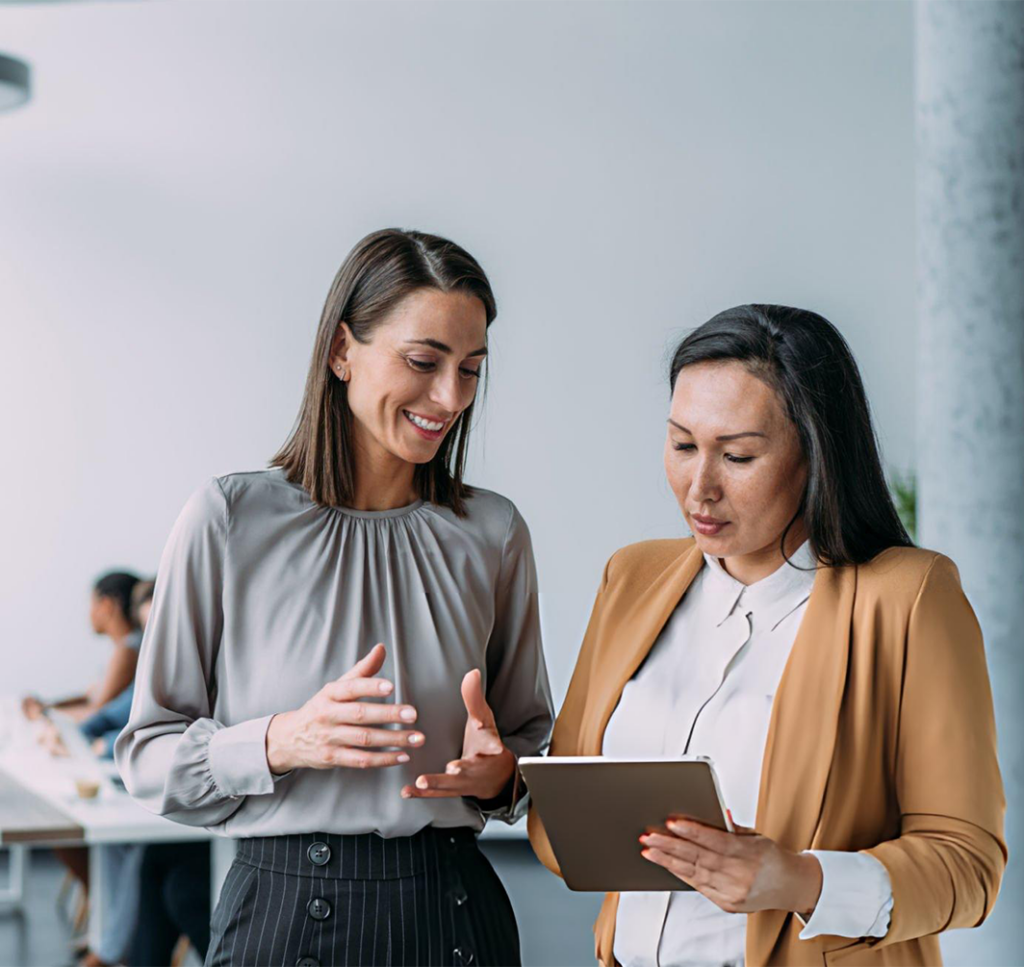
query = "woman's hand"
x=49 y=738
x=336 y=726
x=486 y=765
x=741 y=872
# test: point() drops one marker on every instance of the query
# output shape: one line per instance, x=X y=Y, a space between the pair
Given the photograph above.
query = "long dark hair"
x=376 y=275
x=847 y=507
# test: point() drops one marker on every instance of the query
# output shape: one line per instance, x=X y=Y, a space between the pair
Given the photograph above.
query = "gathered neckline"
x=379 y=514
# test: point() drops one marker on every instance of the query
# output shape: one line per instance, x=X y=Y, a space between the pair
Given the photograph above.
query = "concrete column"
x=970 y=460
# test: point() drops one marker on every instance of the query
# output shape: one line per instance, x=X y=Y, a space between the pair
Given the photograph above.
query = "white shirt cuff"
x=856 y=896
x=238 y=759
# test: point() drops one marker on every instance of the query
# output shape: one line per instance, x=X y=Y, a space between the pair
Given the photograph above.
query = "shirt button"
x=319 y=854
x=318 y=908
x=463 y=957
x=459 y=897
x=307 y=962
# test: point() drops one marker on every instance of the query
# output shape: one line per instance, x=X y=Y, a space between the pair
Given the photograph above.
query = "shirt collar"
x=771 y=599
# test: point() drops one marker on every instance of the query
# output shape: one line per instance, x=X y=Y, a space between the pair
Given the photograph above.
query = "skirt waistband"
x=363 y=856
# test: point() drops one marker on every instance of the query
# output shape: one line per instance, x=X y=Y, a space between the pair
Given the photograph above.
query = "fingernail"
x=452 y=770
x=407 y=715
x=415 y=739
x=402 y=757
x=406 y=794
x=645 y=854
x=421 y=783
x=385 y=687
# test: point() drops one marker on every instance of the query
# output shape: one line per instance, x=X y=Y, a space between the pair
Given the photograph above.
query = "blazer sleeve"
x=565 y=739
x=947 y=863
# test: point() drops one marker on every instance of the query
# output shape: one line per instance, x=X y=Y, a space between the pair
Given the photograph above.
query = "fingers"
x=351 y=758
x=438 y=786
x=353 y=689
x=479 y=711
x=716 y=840
x=366 y=713
x=376 y=738
x=369 y=665
x=672 y=845
x=700 y=879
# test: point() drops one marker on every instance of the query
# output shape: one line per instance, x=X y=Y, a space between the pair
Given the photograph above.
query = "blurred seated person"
x=120 y=862
x=105 y=724
x=110 y=614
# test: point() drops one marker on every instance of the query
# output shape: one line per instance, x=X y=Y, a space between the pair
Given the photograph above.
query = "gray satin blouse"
x=262 y=597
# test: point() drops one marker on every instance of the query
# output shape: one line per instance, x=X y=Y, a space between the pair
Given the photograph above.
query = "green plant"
x=904 y=495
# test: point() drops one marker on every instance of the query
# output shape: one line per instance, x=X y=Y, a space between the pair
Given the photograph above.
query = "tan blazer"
x=881 y=739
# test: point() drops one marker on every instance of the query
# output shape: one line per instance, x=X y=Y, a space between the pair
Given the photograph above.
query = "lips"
x=427 y=427
x=708 y=526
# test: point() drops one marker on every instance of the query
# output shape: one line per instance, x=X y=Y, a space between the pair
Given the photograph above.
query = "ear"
x=339 y=361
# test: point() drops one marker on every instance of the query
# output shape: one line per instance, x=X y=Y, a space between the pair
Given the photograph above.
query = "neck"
x=754 y=567
x=119 y=631
x=382 y=480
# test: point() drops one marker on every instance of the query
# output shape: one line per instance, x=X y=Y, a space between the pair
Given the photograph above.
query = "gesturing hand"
x=486 y=765
x=335 y=727
x=741 y=872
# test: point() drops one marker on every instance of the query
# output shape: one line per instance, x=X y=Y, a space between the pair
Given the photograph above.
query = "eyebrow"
x=726 y=436
x=442 y=347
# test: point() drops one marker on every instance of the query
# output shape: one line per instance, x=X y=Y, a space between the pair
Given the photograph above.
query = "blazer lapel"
x=802 y=733
x=640 y=628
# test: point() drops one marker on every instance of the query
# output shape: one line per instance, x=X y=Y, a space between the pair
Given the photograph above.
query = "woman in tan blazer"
x=879 y=747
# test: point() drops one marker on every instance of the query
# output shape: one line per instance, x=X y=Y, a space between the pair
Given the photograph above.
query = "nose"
x=704 y=487
x=447 y=392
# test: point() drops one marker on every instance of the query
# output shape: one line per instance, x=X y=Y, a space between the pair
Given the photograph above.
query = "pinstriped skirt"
x=427 y=900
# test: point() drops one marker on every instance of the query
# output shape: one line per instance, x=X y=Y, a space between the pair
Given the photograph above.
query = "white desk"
x=54 y=814
x=112 y=817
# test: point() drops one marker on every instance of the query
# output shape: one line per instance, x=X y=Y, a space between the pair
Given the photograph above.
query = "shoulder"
x=217 y=502
x=490 y=516
x=640 y=563
x=901 y=573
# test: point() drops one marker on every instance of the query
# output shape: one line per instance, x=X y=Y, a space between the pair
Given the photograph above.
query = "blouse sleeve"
x=517 y=677
x=173 y=756
x=946 y=865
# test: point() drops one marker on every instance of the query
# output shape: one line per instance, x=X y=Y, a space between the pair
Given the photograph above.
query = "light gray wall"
x=178 y=195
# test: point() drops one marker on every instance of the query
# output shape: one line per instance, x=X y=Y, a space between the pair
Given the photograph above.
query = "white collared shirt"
x=706 y=688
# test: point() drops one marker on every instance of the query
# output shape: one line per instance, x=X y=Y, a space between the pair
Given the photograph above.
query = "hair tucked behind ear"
x=376 y=275
x=847 y=507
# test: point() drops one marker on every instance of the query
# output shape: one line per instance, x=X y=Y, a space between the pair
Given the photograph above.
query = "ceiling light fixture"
x=15 y=84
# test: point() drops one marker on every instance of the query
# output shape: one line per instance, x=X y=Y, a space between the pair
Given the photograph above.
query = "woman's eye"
x=733 y=459
x=686 y=447
x=475 y=373
x=423 y=365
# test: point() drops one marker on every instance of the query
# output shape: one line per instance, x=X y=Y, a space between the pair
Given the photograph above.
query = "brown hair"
x=377 y=274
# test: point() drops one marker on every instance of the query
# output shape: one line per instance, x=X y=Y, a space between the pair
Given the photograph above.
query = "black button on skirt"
x=428 y=900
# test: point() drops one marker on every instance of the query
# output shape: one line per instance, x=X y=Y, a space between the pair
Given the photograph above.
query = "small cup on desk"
x=87 y=788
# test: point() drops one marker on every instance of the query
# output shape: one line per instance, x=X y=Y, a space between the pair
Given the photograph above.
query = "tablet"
x=594 y=810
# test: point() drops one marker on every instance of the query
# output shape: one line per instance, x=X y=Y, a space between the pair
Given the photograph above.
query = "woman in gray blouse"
x=343 y=659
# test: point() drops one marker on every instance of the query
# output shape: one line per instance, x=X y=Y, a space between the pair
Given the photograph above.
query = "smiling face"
x=419 y=371
x=734 y=461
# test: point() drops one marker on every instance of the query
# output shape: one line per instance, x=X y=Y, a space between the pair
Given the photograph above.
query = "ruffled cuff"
x=237 y=758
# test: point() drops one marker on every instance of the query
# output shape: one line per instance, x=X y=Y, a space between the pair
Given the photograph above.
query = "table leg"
x=96 y=887
x=14 y=895
x=222 y=855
